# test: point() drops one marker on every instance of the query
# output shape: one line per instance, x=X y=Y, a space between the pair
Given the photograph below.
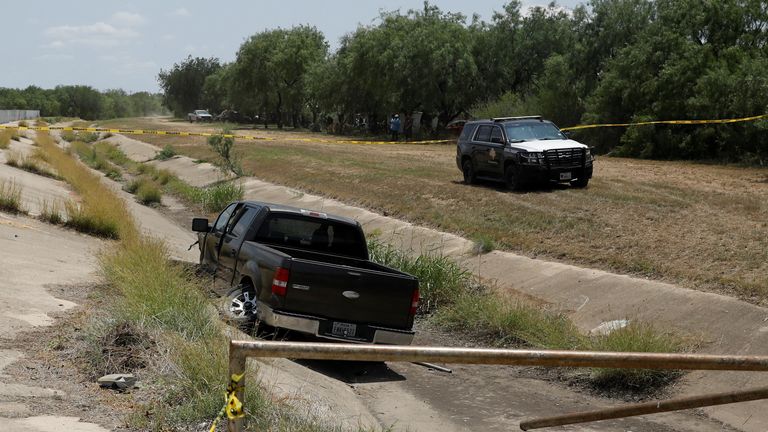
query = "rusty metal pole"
x=589 y=359
x=648 y=408
x=237 y=367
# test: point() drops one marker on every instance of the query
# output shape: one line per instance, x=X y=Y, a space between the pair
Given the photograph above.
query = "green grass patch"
x=97 y=158
x=482 y=243
x=212 y=198
x=10 y=196
x=166 y=153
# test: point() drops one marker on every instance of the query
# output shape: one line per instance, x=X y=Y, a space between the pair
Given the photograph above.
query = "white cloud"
x=182 y=11
x=128 y=19
x=99 y=34
x=127 y=65
x=54 y=57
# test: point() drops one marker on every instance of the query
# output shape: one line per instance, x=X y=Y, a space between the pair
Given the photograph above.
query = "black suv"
x=521 y=151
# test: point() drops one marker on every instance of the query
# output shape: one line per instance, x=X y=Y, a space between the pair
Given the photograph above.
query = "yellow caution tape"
x=233 y=408
x=209 y=134
x=672 y=122
x=338 y=141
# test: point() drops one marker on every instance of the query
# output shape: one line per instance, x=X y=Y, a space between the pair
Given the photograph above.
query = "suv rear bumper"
x=315 y=326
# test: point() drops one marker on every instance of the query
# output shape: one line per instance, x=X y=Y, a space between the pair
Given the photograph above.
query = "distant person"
x=394 y=127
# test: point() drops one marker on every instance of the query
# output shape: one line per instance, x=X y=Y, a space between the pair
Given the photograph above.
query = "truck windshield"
x=532 y=131
x=315 y=234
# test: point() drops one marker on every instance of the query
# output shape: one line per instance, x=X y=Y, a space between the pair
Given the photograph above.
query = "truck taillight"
x=415 y=302
x=280 y=282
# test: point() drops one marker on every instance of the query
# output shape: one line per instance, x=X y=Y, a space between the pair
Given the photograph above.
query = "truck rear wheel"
x=241 y=306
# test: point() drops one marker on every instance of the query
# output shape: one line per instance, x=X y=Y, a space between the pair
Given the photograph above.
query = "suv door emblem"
x=351 y=294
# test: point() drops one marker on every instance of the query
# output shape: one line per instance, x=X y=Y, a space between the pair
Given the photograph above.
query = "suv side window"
x=483 y=133
x=496 y=135
x=466 y=133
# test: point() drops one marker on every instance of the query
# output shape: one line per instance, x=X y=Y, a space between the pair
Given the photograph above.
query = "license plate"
x=343 y=329
x=565 y=176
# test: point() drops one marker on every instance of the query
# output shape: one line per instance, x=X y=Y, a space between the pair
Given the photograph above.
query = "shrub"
x=10 y=196
x=166 y=153
x=23 y=123
x=223 y=146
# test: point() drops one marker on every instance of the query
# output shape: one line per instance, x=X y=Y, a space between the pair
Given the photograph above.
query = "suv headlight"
x=532 y=158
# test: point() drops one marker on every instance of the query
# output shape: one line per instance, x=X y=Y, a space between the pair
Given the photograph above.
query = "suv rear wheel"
x=468 y=171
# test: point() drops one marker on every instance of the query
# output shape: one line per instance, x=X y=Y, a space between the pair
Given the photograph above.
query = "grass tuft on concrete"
x=10 y=196
x=5 y=138
x=52 y=212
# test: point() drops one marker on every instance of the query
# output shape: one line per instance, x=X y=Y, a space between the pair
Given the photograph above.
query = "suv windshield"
x=531 y=131
x=201 y=112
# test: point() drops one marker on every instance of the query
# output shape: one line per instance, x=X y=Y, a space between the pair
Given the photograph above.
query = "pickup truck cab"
x=199 y=116
x=521 y=151
x=306 y=271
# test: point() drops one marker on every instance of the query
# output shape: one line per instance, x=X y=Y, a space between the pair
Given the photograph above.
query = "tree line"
x=607 y=61
x=82 y=102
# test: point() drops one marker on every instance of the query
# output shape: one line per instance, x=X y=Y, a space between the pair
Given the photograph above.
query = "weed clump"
x=10 y=196
x=148 y=193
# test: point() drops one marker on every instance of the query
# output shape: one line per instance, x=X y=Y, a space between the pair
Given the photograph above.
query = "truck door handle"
x=234 y=251
x=354 y=274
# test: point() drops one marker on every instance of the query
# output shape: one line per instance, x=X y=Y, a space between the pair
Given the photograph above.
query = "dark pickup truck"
x=306 y=271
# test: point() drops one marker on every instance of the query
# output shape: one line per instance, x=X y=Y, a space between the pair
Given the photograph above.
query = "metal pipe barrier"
x=239 y=351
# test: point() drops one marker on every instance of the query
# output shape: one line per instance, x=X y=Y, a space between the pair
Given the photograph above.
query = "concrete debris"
x=117 y=381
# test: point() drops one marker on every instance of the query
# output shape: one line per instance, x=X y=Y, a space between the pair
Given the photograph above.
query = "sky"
x=124 y=44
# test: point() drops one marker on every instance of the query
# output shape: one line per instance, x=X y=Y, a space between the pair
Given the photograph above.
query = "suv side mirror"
x=200 y=225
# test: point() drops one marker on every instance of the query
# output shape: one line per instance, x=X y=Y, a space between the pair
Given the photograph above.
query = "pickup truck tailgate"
x=350 y=294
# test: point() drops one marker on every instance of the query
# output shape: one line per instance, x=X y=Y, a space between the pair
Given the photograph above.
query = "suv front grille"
x=564 y=158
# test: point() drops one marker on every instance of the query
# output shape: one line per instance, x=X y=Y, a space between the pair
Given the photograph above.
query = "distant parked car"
x=233 y=116
x=199 y=116
x=521 y=151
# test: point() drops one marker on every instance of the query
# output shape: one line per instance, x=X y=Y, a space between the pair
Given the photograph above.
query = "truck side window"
x=221 y=222
x=483 y=133
x=242 y=221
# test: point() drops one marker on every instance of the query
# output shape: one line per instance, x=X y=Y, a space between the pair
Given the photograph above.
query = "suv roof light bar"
x=501 y=119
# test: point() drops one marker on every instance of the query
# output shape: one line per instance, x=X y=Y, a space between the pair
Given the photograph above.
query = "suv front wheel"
x=468 y=171
x=512 y=178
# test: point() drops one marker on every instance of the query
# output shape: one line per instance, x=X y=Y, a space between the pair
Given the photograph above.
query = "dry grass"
x=100 y=212
x=34 y=164
x=703 y=226
x=5 y=138
x=10 y=196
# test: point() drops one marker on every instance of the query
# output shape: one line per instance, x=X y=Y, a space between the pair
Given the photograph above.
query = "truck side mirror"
x=200 y=225
x=568 y=134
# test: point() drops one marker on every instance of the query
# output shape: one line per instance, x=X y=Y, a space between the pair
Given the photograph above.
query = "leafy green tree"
x=271 y=67
x=183 y=84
